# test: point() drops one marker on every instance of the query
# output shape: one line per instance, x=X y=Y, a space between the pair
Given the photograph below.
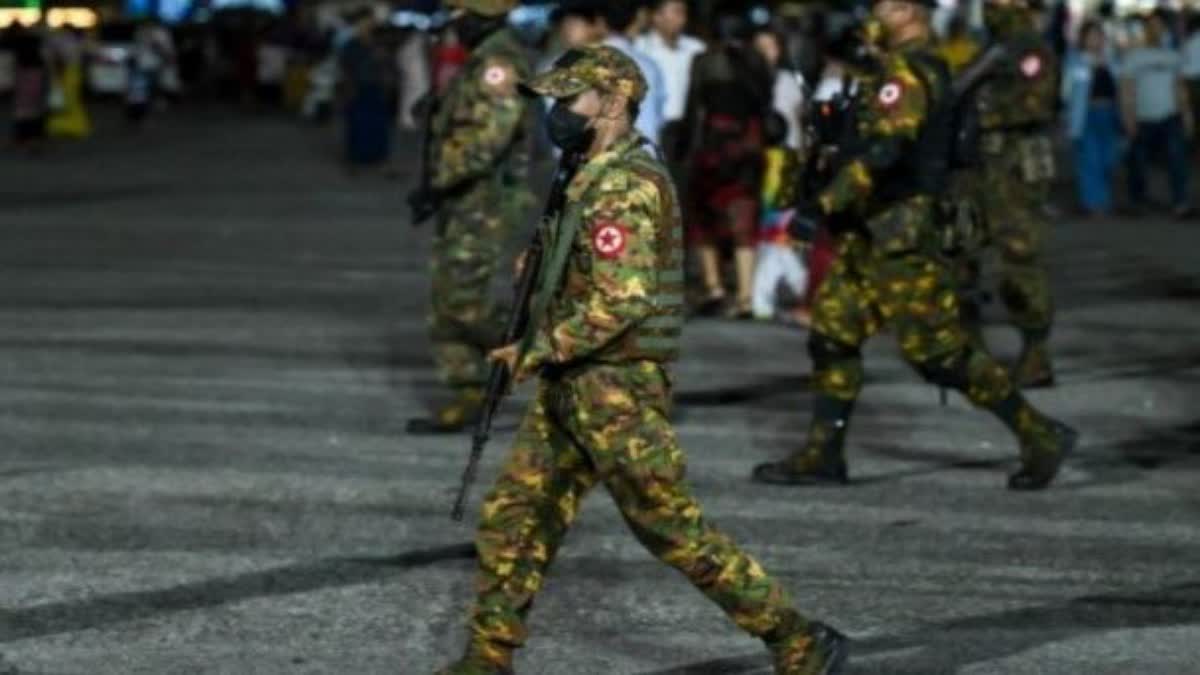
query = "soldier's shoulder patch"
x=610 y=238
x=1032 y=64
x=498 y=77
x=890 y=93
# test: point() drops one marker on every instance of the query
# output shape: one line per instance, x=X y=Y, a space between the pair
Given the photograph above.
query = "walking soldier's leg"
x=620 y=416
x=843 y=318
x=523 y=521
x=920 y=301
x=464 y=321
x=1018 y=229
x=1025 y=290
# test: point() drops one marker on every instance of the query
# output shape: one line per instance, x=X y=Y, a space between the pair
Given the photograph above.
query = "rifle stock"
x=518 y=322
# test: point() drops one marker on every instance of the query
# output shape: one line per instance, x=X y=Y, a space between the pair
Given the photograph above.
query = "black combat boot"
x=1042 y=456
x=1044 y=442
x=815 y=649
x=452 y=418
x=821 y=461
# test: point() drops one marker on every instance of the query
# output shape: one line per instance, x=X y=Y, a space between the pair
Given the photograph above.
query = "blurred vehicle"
x=108 y=63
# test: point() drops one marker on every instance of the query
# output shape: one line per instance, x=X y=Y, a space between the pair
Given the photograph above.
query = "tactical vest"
x=657 y=338
x=925 y=166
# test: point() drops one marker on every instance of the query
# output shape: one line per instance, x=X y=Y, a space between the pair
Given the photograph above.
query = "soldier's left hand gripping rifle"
x=518 y=323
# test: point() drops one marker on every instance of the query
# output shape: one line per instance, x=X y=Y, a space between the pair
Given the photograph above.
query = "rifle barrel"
x=499 y=377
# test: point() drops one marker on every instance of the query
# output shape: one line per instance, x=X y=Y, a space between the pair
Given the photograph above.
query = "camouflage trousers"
x=465 y=321
x=605 y=424
x=917 y=298
x=1016 y=226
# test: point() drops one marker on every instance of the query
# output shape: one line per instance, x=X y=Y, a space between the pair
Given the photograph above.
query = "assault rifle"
x=518 y=322
x=424 y=201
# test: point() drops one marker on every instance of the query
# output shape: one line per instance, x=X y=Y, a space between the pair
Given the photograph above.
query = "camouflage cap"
x=484 y=7
x=580 y=69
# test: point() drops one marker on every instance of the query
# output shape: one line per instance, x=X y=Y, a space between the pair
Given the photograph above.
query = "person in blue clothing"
x=1091 y=94
x=366 y=88
x=622 y=21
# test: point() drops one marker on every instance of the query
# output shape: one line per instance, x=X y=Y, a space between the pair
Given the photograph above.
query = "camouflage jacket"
x=1024 y=91
x=618 y=296
x=480 y=122
x=883 y=178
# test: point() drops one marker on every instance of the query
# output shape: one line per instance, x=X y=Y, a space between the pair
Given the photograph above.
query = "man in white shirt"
x=621 y=19
x=673 y=51
x=1156 y=114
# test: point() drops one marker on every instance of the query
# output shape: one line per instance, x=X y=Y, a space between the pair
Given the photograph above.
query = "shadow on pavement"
x=105 y=610
x=949 y=646
x=774 y=386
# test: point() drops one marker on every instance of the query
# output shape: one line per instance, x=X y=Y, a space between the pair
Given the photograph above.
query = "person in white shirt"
x=1156 y=114
x=621 y=19
x=673 y=51
x=787 y=95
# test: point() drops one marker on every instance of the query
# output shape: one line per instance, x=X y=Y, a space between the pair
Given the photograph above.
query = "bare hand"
x=519 y=264
x=507 y=355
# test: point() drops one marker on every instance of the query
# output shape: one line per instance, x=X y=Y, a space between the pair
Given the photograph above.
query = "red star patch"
x=890 y=94
x=1031 y=66
x=609 y=240
x=495 y=76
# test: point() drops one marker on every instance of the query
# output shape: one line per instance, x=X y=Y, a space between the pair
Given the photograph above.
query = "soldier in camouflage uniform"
x=889 y=272
x=599 y=345
x=1016 y=109
x=478 y=164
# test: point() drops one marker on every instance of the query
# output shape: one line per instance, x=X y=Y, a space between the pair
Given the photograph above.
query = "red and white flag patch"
x=890 y=94
x=1031 y=66
x=495 y=76
x=609 y=240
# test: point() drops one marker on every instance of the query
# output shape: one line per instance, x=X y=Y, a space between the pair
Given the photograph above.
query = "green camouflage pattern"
x=1015 y=227
x=602 y=67
x=482 y=117
x=620 y=297
x=484 y=7
x=917 y=298
x=894 y=105
x=1024 y=90
x=609 y=425
x=479 y=156
x=600 y=416
x=914 y=296
x=1010 y=189
x=891 y=275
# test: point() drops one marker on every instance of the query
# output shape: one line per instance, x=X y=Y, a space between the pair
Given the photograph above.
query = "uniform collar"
x=598 y=165
x=914 y=44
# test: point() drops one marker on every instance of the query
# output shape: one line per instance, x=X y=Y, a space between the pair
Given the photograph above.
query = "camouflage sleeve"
x=482 y=127
x=893 y=115
x=618 y=241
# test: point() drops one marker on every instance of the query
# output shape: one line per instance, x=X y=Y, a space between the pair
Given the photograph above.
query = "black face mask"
x=568 y=130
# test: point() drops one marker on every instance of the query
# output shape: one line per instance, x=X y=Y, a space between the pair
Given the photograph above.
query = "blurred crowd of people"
x=1131 y=88
x=730 y=95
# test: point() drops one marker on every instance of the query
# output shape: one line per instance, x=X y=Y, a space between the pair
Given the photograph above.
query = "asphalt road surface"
x=211 y=338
